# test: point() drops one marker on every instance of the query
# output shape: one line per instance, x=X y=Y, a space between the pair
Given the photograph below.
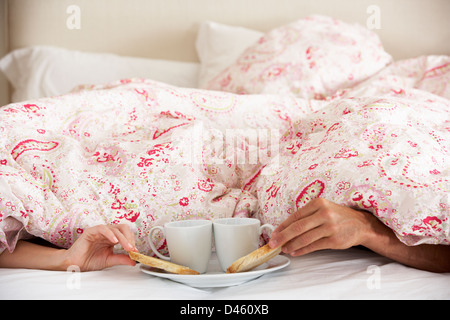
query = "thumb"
x=120 y=259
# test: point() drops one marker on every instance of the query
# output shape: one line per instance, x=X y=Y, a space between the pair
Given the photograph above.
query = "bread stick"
x=161 y=264
x=253 y=259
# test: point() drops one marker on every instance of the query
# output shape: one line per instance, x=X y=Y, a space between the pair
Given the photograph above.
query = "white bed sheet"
x=349 y=274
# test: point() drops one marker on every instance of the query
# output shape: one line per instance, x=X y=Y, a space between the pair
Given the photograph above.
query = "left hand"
x=94 y=249
x=319 y=225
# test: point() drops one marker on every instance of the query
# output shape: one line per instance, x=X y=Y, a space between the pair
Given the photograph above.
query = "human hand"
x=319 y=225
x=94 y=249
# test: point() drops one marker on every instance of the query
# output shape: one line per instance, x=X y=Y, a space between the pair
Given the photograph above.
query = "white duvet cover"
x=144 y=153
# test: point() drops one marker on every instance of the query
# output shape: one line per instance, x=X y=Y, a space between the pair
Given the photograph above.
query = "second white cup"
x=236 y=237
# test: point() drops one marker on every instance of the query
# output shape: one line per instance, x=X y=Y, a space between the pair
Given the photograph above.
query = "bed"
x=83 y=81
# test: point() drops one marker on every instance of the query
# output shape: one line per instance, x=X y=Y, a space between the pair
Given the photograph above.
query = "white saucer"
x=215 y=277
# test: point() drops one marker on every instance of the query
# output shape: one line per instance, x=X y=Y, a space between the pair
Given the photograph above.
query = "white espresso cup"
x=189 y=243
x=236 y=237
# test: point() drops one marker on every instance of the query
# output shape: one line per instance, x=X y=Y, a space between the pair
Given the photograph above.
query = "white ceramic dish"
x=215 y=277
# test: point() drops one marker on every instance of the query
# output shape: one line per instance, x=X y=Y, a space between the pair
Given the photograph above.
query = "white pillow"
x=219 y=46
x=44 y=71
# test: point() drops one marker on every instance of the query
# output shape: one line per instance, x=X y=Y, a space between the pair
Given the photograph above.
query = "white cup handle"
x=267 y=225
x=152 y=246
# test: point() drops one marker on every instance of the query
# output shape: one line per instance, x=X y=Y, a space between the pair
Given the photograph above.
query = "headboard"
x=166 y=29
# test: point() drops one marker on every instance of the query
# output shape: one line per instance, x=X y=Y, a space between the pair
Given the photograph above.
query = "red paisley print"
x=32 y=144
x=310 y=192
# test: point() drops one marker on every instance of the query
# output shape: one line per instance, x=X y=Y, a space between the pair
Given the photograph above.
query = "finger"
x=126 y=245
x=308 y=209
x=320 y=244
x=106 y=232
x=129 y=235
x=303 y=240
x=294 y=230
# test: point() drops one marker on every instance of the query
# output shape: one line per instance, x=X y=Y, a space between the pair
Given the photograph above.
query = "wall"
x=4 y=46
x=167 y=28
